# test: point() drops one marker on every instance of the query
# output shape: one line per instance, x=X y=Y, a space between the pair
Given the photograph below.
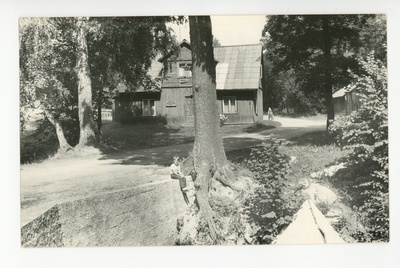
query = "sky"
x=230 y=29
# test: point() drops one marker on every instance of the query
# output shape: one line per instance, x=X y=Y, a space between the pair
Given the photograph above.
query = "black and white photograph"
x=148 y=131
x=134 y=136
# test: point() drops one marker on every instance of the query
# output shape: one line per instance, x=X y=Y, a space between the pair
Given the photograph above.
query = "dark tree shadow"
x=257 y=128
x=163 y=155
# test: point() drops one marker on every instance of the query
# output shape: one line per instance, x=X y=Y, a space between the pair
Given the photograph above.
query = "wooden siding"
x=339 y=105
x=259 y=109
x=174 y=104
x=346 y=104
x=353 y=102
x=171 y=78
x=127 y=108
x=246 y=103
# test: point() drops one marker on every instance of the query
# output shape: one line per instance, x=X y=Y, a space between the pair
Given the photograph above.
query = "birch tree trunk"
x=85 y=106
x=209 y=157
x=63 y=143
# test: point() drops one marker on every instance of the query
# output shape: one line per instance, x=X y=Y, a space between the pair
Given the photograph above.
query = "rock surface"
x=309 y=227
x=114 y=219
x=321 y=194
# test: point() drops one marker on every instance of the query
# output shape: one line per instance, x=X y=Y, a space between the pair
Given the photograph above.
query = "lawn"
x=314 y=152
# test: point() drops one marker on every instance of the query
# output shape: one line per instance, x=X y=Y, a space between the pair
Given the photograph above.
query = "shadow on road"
x=314 y=135
x=163 y=155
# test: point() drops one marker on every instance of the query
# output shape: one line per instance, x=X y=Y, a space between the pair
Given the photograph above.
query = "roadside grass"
x=313 y=152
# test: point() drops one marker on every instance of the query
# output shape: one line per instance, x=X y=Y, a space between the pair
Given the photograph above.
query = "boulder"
x=134 y=217
x=329 y=172
x=321 y=194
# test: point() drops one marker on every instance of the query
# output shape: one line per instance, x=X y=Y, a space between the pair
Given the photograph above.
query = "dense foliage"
x=47 y=61
x=365 y=131
x=271 y=207
x=307 y=57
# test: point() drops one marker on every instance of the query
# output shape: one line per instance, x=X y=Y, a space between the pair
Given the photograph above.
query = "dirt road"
x=64 y=180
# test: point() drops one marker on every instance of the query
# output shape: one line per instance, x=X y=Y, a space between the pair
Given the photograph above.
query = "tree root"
x=225 y=176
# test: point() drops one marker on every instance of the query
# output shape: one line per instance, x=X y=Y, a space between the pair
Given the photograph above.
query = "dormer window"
x=184 y=69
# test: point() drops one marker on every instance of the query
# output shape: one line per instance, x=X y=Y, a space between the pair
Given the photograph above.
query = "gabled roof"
x=238 y=66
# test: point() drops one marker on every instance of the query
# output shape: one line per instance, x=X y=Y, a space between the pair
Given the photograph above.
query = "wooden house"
x=238 y=83
x=345 y=101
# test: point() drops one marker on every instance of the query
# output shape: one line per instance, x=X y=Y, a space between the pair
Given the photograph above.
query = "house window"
x=184 y=70
x=229 y=105
x=148 y=108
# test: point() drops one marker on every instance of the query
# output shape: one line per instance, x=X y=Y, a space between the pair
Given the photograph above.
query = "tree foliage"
x=317 y=51
x=366 y=132
x=47 y=79
x=117 y=49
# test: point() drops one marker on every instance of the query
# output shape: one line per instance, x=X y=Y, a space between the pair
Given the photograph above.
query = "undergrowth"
x=271 y=207
x=365 y=132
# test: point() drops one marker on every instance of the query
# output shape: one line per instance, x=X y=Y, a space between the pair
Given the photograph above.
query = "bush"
x=271 y=207
x=365 y=131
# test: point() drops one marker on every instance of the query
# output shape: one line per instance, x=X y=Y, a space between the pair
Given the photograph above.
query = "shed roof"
x=340 y=93
x=343 y=91
x=238 y=67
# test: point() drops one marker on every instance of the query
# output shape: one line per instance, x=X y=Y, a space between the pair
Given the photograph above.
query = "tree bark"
x=99 y=103
x=63 y=143
x=327 y=39
x=85 y=106
x=208 y=152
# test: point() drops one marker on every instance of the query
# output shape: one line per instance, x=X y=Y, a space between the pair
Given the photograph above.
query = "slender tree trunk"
x=99 y=103
x=85 y=106
x=64 y=145
x=208 y=152
x=327 y=39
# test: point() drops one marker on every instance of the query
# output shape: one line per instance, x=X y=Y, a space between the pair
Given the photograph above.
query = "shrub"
x=271 y=207
x=365 y=131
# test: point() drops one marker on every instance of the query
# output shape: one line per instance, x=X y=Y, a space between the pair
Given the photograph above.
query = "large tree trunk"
x=327 y=39
x=208 y=153
x=64 y=145
x=85 y=106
